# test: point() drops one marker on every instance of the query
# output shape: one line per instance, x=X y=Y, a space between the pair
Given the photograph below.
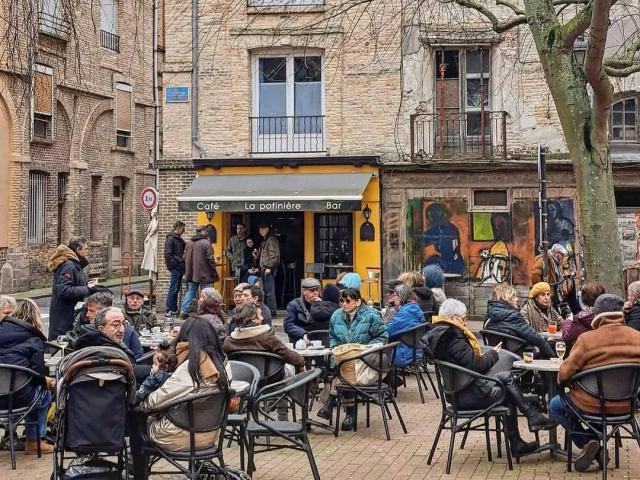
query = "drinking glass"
x=63 y=342
x=553 y=327
x=527 y=357
x=561 y=349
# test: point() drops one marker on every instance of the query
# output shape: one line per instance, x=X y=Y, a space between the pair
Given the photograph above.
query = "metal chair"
x=610 y=383
x=296 y=390
x=14 y=381
x=452 y=379
x=411 y=338
x=322 y=335
x=316 y=270
x=380 y=393
x=509 y=342
x=269 y=365
x=428 y=315
x=237 y=422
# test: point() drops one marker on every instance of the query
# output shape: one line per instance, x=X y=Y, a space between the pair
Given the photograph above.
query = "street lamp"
x=580 y=50
x=366 y=212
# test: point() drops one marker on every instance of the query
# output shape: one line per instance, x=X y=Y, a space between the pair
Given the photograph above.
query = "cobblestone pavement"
x=366 y=455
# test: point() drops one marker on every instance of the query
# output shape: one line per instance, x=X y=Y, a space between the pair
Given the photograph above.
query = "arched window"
x=624 y=120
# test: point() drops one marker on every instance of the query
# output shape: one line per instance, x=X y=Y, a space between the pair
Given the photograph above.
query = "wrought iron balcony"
x=53 y=25
x=300 y=134
x=110 y=40
x=453 y=134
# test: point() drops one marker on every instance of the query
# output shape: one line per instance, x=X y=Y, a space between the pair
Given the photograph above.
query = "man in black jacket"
x=632 y=307
x=174 y=260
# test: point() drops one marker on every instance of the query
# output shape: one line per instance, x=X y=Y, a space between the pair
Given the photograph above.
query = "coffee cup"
x=316 y=343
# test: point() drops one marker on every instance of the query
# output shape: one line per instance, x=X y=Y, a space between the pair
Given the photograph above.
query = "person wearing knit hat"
x=538 y=310
x=611 y=342
x=351 y=280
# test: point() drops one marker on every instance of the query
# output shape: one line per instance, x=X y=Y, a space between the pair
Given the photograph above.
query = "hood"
x=322 y=310
x=249 y=332
x=606 y=319
x=14 y=332
x=423 y=293
x=434 y=338
x=197 y=237
x=499 y=311
x=61 y=255
x=412 y=308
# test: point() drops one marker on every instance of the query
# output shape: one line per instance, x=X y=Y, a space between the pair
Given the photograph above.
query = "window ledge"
x=127 y=150
x=41 y=141
x=282 y=9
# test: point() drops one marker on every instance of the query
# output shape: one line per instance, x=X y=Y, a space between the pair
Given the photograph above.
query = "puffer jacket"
x=69 y=287
x=23 y=346
x=408 y=315
x=504 y=318
x=174 y=247
x=297 y=319
x=424 y=298
x=139 y=319
x=632 y=316
x=364 y=327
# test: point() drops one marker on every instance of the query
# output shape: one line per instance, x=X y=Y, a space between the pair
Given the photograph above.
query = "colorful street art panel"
x=560 y=222
x=446 y=225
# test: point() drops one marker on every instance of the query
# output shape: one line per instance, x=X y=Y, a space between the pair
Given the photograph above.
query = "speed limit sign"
x=149 y=198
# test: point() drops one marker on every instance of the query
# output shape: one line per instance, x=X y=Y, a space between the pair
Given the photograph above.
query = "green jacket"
x=365 y=328
x=270 y=253
x=140 y=318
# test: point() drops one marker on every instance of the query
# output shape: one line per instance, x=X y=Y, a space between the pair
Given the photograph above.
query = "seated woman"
x=538 y=310
x=451 y=341
x=503 y=316
x=423 y=295
x=22 y=345
x=209 y=307
x=575 y=325
x=353 y=323
x=434 y=280
x=201 y=368
x=408 y=315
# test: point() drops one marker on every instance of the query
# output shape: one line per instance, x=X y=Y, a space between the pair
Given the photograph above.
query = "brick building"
x=76 y=128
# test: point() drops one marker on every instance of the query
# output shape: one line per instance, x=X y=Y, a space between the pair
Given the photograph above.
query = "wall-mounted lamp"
x=366 y=212
x=367 y=230
x=209 y=216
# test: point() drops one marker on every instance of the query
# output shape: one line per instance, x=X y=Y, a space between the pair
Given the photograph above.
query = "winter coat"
x=267 y=319
x=408 y=315
x=297 y=319
x=261 y=339
x=424 y=298
x=270 y=253
x=503 y=318
x=69 y=287
x=321 y=312
x=23 y=346
x=365 y=326
x=132 y=341
x=564 y=287
x=537 y=318
x=581 y=323
x=218 y=325
x=611 y=342
x=91 y=337
x=139 y=319
x=200 y=266
x=632 y=316
x=174 y=247
x=236 y=250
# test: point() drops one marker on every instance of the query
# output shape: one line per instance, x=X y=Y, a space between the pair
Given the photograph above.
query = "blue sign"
x=177 y=95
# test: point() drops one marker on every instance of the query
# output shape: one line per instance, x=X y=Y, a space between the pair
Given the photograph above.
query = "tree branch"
x=515 y=8
x=627 y=60
x=577 y=25
x=497 y=25
x=622 y=72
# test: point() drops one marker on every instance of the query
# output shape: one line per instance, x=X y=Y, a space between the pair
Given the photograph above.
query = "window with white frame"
x=109 y=25
x=37 y=204
x=624 y=120
x=288 y=104
x=42 y=103
x=124 y=107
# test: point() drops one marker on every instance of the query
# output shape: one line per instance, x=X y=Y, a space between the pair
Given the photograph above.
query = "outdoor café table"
x=241 y=388
x=548 y=370
x=551 y=337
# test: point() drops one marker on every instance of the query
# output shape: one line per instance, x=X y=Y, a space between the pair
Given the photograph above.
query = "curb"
x=46 y=292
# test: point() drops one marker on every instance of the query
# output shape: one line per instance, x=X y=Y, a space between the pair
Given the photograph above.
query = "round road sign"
x=149 y=198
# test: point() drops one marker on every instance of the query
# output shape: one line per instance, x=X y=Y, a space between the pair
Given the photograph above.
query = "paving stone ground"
x=365 y=454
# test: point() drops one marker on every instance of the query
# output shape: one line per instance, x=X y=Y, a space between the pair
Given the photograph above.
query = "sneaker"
x=18 y=444
x=170 y=315
x=587 y=455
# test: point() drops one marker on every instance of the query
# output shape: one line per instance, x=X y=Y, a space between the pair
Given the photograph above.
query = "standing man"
x=69 y=284
x=269 y=261
x=560 y=276
x=200 y=267
x=174 y=260
x=235 y=250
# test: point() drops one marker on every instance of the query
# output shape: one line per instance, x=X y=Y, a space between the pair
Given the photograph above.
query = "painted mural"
x=483 y=247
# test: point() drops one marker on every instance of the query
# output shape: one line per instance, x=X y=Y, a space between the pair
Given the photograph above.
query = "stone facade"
x=80 y=161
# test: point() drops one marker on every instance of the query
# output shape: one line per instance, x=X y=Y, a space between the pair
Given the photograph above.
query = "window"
x=95 y=206
x=42 y=103
x=109 y=25
x=288 y=104
x=624 y=118
x=123 y=115
x=490 y=200
x=63 y=179
x=37 y=206
x=333 y=239
x=51 y=19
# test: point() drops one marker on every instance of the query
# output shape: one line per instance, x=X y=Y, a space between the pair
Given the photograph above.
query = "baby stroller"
x=95 y=385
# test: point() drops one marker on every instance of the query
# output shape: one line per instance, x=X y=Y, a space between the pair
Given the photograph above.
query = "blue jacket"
x=132 y=341
x=407 y=316
x=297 y=320
x=365 y=328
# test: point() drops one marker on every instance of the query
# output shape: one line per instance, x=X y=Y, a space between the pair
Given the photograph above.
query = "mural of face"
x=444 y=236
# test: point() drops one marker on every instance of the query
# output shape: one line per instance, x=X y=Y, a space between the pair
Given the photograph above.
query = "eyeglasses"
x=347 y=301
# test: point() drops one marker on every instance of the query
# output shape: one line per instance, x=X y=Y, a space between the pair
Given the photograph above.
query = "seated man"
x=632 y=307
x=408 y=315
x=610 y=342
x=254 y=294
x=135 y=312
x=297 y=320
x=92 y=305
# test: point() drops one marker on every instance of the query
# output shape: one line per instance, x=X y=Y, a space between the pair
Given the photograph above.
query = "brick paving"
x=366 y=455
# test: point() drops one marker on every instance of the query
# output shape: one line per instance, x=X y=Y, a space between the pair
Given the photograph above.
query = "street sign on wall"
x=149 y=198
x=176 y=95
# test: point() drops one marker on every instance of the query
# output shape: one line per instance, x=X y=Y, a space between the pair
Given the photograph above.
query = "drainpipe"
x=195 y=138
x=156 y=102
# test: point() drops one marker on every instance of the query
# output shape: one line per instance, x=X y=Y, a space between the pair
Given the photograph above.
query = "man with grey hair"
x=7 y=305
x=92 y=305
x=408 y=315
x=107 y=330
x=632 y=306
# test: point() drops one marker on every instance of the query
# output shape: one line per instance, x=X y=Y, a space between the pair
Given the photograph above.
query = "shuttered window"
x=37 y=205
x=42 y=102
x=123 y=115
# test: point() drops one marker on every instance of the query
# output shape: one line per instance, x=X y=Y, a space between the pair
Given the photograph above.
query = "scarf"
x=207 y=368
x=467 y=333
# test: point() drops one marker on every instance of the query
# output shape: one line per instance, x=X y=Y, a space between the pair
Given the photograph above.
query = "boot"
x=31 y=448
x=327 y=409
x=518 y=446
x=349 y=421
x=535 y=418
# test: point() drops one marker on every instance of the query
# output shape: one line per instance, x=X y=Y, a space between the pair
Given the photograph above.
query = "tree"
x=582 y=95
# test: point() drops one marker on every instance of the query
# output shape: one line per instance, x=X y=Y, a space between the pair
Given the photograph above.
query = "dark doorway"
x=289 y=229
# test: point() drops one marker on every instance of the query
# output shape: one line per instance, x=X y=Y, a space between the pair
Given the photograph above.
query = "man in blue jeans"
x=200 y=267
x=174 y=260
x=269 y=262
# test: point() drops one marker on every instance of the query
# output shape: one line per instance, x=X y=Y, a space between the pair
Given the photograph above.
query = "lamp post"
x=580 y=47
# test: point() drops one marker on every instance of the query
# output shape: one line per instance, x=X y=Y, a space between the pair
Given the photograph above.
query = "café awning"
x=275 y=193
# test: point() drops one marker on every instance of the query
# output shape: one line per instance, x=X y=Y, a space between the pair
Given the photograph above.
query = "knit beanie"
x=351 y=280
x=607 y=302
x=331 y=293
x=539 y=288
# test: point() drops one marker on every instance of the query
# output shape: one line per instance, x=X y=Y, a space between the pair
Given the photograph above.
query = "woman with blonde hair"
x=504 y=316
x=422 y=295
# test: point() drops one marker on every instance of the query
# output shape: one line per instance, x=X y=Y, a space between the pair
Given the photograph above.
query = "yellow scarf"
x=467 y=333
x=207 y=369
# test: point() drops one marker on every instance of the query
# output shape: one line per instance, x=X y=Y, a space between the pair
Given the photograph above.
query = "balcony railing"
x=458 y=135
x=302 y=134
x=110 y=40
x=53 y=25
